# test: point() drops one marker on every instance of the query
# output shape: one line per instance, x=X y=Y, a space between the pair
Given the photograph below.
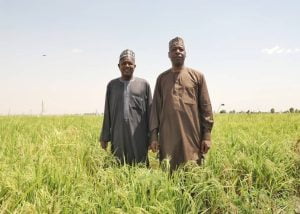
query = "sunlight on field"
x=55 y=164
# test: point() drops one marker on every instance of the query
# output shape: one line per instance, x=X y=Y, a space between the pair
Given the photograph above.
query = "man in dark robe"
x=126 y=114
x=181 y=115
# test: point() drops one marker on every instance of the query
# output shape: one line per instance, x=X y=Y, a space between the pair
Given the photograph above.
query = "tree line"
x=272 y=110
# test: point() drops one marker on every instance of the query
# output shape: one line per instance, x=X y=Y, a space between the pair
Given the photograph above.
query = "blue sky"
x=249 y=50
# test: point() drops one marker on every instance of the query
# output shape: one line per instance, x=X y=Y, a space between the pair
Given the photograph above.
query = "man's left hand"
x=205 y=146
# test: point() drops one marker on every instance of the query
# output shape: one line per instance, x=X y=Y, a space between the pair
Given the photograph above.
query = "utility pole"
x=43 y=107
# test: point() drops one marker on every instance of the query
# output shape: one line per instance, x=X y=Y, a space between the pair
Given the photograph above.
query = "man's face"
x=126 y=66
x=177 y=55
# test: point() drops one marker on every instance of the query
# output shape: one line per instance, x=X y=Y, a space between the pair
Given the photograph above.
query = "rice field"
x=54 y=164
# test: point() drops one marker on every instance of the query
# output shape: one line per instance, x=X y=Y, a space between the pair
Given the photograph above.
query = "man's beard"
x=178 y=63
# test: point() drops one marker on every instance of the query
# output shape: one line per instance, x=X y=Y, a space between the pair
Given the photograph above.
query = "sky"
x=62 y=53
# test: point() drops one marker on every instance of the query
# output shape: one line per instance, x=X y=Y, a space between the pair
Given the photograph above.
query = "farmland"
x=54 y=164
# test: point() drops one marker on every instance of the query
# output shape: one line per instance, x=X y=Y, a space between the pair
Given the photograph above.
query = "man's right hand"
x=154 y=146
x=104 y=145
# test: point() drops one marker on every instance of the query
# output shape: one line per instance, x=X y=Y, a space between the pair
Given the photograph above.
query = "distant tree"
x=292 y=110
x=223 y=111
x=272 y=110
x=232 y=112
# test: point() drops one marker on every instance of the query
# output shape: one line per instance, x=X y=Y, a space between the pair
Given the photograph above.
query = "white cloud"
x=278 y=50
x=77 y=50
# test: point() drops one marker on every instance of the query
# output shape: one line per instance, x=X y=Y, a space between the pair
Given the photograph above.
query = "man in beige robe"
x=181 y=117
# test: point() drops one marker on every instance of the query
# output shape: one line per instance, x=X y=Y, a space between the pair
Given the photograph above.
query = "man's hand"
x=205 y=146
x=104 y=145
x=154 y=146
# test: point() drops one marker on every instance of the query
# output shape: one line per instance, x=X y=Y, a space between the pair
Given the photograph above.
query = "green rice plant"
x=54 y=164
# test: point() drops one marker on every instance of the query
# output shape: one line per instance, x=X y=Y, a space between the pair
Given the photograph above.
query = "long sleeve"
x=149 y=102
x=148 y=107
x=205 y=110
x=155 y=113
x=106 y=127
